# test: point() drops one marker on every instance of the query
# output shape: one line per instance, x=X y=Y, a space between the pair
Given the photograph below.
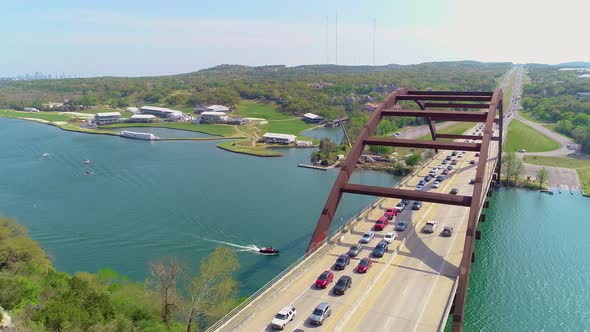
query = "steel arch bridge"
x=468 y=106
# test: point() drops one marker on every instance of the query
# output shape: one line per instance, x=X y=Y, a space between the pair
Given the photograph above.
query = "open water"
x=145 y=200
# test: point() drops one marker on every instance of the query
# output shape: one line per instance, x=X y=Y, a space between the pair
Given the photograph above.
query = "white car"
x=389 y=237
x=283 y=317
x=440 y=166
x=436 y=184
x=367 y=237
x=432 y=173
x=430 y=226
x=400 y=206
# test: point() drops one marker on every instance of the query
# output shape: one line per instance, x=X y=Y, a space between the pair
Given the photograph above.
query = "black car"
x=472 y=162
x=380 y=249
x=454 y=191
x=448 y=158
x=427 y=178
x=417 y=205
x=440 y=178
x=342 y=285
x=342 y=261
x=406 y=201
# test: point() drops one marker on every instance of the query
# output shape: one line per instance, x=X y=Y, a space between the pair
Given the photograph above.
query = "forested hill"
x=321 y=89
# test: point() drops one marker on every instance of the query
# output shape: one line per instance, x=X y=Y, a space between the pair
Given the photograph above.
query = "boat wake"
x=239 y=247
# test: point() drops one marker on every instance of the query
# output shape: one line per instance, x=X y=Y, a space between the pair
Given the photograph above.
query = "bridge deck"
x=409 y=289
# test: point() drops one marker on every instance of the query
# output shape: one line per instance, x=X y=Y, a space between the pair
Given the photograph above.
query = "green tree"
x=413 y=159
x=214 y=291
x=542 y=176
x=508 y=164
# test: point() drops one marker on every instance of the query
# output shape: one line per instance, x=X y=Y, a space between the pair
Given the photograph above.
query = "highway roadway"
x=409 y=289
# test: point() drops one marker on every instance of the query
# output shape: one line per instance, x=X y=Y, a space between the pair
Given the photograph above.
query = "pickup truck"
x=430 y=226
x=283 y=317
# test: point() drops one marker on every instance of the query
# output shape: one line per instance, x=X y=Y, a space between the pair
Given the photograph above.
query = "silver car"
x=355 y=250
x=321 y=312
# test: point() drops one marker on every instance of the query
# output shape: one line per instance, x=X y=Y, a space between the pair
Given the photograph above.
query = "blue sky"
x=133 y=38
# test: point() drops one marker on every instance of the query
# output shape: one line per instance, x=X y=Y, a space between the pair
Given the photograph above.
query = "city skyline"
x=151 y=38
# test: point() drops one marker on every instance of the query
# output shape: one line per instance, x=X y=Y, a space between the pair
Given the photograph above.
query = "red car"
x=364 y=265
x=381 y=223
x=324 y=279
x=390 y=213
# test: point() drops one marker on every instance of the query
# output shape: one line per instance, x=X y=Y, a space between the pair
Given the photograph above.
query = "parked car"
x=454 y=191
x=390 y=213
x=380 y=249
x=417 y=205
x=444 y=162
x=324 y=279
x=355 y=250
x=454 y=162
x=342 y=261
x=421 y=183
x=454 y=153
x=440 y=166
x=429 y=227
x=436 y=184
x=283 y=317
x=432 y=173
x=427 y=178
x=367 y=237
x=401 y=226
x=448 y=158
x=444 y=172
x=450 y=167
x=477 y=154
x=381 y=223
x=472 y=181
x=320 y=313
x=364 y=265
x=447 y=231
x=405 y=201
x=342 y=285
x=419 y=188
x=389 y=237
x=440 y=178
x=472 y=162
x=400 y=206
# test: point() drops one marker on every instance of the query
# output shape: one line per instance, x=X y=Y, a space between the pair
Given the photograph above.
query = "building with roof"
x=161 y=112
x=213 y=117
x=584 y=76
x=582 y=95
x=278 y=138
x=312 y=118
x=141 y=118
x=218 y=108
x=133 y=110
x=107 y=118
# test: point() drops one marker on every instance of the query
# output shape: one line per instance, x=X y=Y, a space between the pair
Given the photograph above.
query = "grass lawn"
x=581 y=166
x=211 y=129
x=48 y=116
x=293 y=127
x=252 y=109
x=521 y=136
x=240 y=147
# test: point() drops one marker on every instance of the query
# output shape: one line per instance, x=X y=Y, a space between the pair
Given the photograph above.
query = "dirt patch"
x=558 y=176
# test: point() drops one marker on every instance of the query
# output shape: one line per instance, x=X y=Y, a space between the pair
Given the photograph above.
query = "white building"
x=584 y=76
x=213 y=117
x=218 y=108
x=279 y=138
x=162 y=112
x=133 y=110
x=30 y=109
x=312 y=118
x=107 y=118
x=142 y=118
x=303 y=143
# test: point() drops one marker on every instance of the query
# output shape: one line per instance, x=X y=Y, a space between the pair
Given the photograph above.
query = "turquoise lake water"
x=146 y=200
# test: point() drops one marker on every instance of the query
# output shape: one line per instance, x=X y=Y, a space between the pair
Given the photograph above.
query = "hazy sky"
x=148 y=37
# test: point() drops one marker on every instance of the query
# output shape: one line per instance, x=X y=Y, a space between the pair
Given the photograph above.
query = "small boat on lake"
x=45 y=154
x=87 y=162
x=268 y=250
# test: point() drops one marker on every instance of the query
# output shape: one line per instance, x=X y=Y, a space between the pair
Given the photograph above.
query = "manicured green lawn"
x=293 y=126
x=49 y=116
x=252 y=109
x=581 y=166
x=234 y=146
x=521 y=136
x=211 y=129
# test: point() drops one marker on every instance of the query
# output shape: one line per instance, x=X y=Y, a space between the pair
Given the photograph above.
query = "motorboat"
x=89 y=172
x=45 y=154
x=86 y=161
x=268 y=250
